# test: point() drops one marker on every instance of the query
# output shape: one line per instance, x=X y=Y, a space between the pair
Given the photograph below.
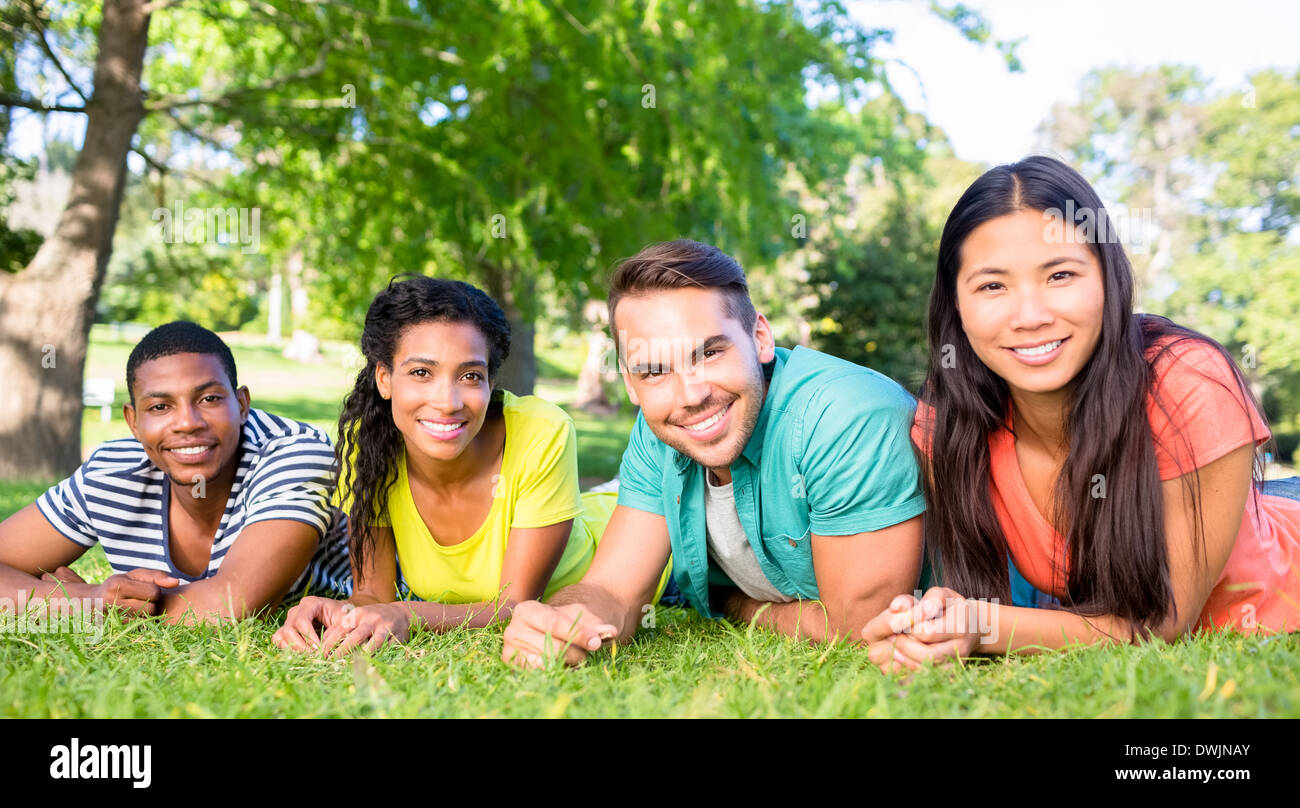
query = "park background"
x=263 y=168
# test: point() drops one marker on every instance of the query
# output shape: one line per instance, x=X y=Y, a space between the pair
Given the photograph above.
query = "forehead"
x=179 y=373
x=1020 y=240
x=435 y=339
x=692 y=313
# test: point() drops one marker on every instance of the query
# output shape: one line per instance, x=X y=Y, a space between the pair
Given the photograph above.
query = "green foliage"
x=1221 y=173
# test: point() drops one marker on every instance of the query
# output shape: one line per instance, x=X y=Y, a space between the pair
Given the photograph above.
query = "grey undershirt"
x=729 y=547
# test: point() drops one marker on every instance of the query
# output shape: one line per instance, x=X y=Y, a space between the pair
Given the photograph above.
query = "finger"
x=566 y=629
x=918 y=652
x=902 y=603
x=137 y=608
x=124 y=588
x=303 y=626
x=288 y=639
x=381 y=636
x=332 y=637
x=355 y=638
x=878 y=628
x=66 y=575
x=156 y=577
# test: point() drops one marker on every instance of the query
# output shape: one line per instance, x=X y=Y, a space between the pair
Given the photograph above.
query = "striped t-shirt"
x=120 y=499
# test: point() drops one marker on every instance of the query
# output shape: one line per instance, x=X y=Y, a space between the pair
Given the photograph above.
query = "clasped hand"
x=939 y=628
x=346 y=627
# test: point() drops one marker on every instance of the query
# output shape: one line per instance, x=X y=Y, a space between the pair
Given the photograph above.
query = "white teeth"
x=705 y=424
x=1040 y=350
x=443 y=427
x=190 y=450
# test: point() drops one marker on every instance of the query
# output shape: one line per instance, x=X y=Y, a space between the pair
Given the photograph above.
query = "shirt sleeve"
x=548 y=488
x=294 y=481
x=640 y=475
x=64 y=507
x=860 y=473
x=1198 y=412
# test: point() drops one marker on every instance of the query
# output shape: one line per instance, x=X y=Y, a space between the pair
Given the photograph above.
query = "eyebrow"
x=709 y=343
x=200 y=388
x=1060 y=259
x=424 y=360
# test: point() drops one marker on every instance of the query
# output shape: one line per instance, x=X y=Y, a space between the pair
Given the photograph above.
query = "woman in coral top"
x=1113 y=458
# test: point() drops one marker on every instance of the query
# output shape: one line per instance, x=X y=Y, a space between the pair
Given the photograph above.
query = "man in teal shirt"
x=782 y=482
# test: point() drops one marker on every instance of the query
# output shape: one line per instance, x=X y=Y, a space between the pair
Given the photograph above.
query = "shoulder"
x=836 y=389
x=123 y=458
x=266 y=433
x=534 y=417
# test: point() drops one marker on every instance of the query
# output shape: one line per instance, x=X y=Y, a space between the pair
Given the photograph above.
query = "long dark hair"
x=369 y=442
x=1115 y=545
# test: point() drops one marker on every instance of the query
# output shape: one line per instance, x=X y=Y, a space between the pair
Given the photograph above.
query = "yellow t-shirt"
x=538 y=487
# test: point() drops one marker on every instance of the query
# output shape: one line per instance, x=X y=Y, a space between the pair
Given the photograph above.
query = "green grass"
x=684 y=666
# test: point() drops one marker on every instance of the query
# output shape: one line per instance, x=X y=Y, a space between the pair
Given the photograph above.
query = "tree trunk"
x=519 y=372
x=47 y=309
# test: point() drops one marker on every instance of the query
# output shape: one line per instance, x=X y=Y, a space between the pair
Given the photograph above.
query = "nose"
x=447 y=397
x=692 y=389
x=187 y=418
x=1031 y=310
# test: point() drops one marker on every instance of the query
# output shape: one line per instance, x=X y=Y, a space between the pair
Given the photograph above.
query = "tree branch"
x=39 y=23
x=176 y=101
x=10 y=100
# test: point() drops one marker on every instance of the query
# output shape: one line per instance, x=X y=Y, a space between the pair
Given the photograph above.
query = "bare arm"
x=33 y=564
x=256 y=573
x=605 y=605
x=857 y=576
x=998 y=629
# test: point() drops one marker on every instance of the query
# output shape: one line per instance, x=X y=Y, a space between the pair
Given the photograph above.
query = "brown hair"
x=682 y=264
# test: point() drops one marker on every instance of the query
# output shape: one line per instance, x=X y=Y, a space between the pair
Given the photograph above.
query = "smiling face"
x=439 y=387
x=186 y=416
x=696 y=373
x=1030 y=302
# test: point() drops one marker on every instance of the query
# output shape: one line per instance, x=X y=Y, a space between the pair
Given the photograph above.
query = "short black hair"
x=176 y=337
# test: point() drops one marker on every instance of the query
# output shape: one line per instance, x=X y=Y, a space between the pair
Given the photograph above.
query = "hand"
x=939 y=628
x=137 y=592
x=373 y=625
x=304 y=622
x=538 y=633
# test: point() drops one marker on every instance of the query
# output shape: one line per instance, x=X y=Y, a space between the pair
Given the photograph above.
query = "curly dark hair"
x=369 y=441
x=179 y=336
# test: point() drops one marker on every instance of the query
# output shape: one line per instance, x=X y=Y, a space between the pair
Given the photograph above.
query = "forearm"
x=209 y=601
x=17 y=586
x=1007 y=629
x=440 y=617
x=801 y=619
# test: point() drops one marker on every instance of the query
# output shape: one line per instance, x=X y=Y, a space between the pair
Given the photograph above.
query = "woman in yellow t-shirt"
x=473 y=489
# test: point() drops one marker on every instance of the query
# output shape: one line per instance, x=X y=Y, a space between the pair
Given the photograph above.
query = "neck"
x=460 y=470
x=1041 y=418
x=205 y=501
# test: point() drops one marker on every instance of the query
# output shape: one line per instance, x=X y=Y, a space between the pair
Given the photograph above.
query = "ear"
x=384 y=381
x=627 y=382
x=128 y=415
x=245 y=401
x=763 y=339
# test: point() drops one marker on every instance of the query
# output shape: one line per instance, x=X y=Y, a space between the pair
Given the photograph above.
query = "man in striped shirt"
x=213 y=510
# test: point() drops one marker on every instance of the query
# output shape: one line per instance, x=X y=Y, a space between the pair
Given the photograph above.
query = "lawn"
x=683 y=666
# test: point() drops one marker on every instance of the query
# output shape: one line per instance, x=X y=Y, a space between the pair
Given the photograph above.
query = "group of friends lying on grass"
x=1072 y=473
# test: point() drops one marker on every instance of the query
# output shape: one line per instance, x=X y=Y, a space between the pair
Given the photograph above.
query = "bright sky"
x=991 y=115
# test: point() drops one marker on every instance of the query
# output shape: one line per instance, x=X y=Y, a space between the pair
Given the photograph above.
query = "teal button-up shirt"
x=831 y=454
